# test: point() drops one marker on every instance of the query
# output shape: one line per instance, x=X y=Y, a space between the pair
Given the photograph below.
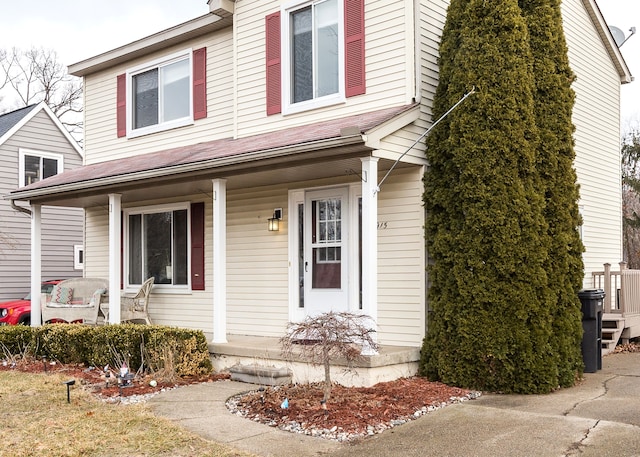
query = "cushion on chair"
x=61 y=294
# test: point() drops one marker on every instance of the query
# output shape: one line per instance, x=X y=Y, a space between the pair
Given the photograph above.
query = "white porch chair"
x=134 y=308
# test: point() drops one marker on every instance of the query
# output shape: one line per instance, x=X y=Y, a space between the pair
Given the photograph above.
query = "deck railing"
x=622 y=289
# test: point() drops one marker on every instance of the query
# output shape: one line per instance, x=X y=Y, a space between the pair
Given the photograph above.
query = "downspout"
x=417 y=97
x=20 y=208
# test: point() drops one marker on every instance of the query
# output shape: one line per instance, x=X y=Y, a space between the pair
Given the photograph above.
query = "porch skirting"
x=392 y=362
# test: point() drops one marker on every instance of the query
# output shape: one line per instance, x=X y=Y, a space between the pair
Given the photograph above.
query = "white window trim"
x=288 y=107
x=160 y=127
x=32 y=152
x=160 y=288
x=78 y=264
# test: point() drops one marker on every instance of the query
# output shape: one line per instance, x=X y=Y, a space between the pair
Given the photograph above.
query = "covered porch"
x=250 y=280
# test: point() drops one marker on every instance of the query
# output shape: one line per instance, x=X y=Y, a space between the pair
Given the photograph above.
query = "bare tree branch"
x=326 y=337
x=37 y=75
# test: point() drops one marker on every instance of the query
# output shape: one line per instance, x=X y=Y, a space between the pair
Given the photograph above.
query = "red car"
x=18 y=312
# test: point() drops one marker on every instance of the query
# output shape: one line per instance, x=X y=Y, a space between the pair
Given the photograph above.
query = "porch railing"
x=622 y=289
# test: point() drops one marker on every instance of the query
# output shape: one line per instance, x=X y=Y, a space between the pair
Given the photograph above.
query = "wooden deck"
x=621 y=316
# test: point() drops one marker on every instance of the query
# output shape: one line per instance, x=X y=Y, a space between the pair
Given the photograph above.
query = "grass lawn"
x=36 y=420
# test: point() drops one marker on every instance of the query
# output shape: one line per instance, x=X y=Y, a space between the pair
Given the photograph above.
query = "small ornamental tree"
x=326 y=337
x=489 y=323
x=554 y=100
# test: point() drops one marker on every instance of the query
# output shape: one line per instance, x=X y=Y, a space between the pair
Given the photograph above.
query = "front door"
x=326 y=251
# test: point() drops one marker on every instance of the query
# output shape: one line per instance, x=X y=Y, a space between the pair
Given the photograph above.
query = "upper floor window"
x=315 y=54
x=162 y=94
x=35 y=166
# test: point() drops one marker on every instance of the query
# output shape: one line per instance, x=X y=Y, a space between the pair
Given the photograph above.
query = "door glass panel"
x=326 y=251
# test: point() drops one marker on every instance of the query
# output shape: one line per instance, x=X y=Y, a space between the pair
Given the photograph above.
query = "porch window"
x=157 y=245
x=35 y=166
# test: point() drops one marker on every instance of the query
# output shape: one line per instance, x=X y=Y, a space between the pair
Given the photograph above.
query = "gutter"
x=20 y=208
x=212 y=164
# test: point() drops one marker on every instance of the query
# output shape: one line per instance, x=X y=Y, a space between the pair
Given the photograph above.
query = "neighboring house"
x=34 y=145
x=201 y=136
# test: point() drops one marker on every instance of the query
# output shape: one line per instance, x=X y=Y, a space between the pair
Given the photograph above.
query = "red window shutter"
x=354 y=48
x=274 y=95
x=121 y=105
x=200 y=83
x=197 y=246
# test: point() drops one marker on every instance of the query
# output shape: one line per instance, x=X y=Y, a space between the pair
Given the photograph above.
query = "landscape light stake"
x=69 y=383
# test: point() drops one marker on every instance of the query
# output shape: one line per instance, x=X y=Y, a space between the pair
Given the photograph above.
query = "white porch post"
x=115 y=241
x=370 y=237
x=36 y=264
x=219 y=260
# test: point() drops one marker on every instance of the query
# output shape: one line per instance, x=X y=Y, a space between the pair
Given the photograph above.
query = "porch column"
x=219 y=260
x=370 y=237
x=36 y=264
x=115 y=242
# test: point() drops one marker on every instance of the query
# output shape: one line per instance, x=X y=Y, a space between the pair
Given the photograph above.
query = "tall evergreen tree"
x=490 y=324
x=554 y=100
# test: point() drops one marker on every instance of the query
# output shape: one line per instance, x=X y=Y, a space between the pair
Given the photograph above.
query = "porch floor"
x=391 y=362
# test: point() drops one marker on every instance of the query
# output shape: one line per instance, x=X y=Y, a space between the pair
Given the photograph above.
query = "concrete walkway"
x=598 y=417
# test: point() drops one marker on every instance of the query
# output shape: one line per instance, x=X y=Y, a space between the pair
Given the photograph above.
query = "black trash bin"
x=592 y=301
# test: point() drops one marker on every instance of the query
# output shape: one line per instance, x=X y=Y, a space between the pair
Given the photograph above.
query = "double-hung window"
x=157 y=244
x=35 y=166
x=163 y=94
x=315 y=54
x=160 y=95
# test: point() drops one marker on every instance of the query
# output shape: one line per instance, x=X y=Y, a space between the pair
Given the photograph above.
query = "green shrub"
x=14 y=340
x=145 y=348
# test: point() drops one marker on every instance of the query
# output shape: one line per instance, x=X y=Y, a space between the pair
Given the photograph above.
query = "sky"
x=79 y=29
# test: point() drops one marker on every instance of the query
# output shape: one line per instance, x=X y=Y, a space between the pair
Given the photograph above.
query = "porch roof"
x=214 y=159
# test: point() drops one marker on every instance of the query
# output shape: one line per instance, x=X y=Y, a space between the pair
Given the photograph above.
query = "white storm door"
x=326 y=251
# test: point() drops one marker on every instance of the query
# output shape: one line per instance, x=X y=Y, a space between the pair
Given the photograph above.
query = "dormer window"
x=163 y=94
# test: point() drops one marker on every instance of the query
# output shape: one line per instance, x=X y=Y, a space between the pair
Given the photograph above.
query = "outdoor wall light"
x=273 y=223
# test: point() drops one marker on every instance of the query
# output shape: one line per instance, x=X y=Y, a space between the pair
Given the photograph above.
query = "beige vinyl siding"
x=62 y=228
x=387 y=71
x=597 y=139
x=100 y=105
x=401 y=259
x=257 y=263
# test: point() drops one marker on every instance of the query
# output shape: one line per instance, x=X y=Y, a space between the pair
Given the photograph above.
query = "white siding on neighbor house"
x=388 y=35
x=101 y=141
x=596 y=117
x=62 y=228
